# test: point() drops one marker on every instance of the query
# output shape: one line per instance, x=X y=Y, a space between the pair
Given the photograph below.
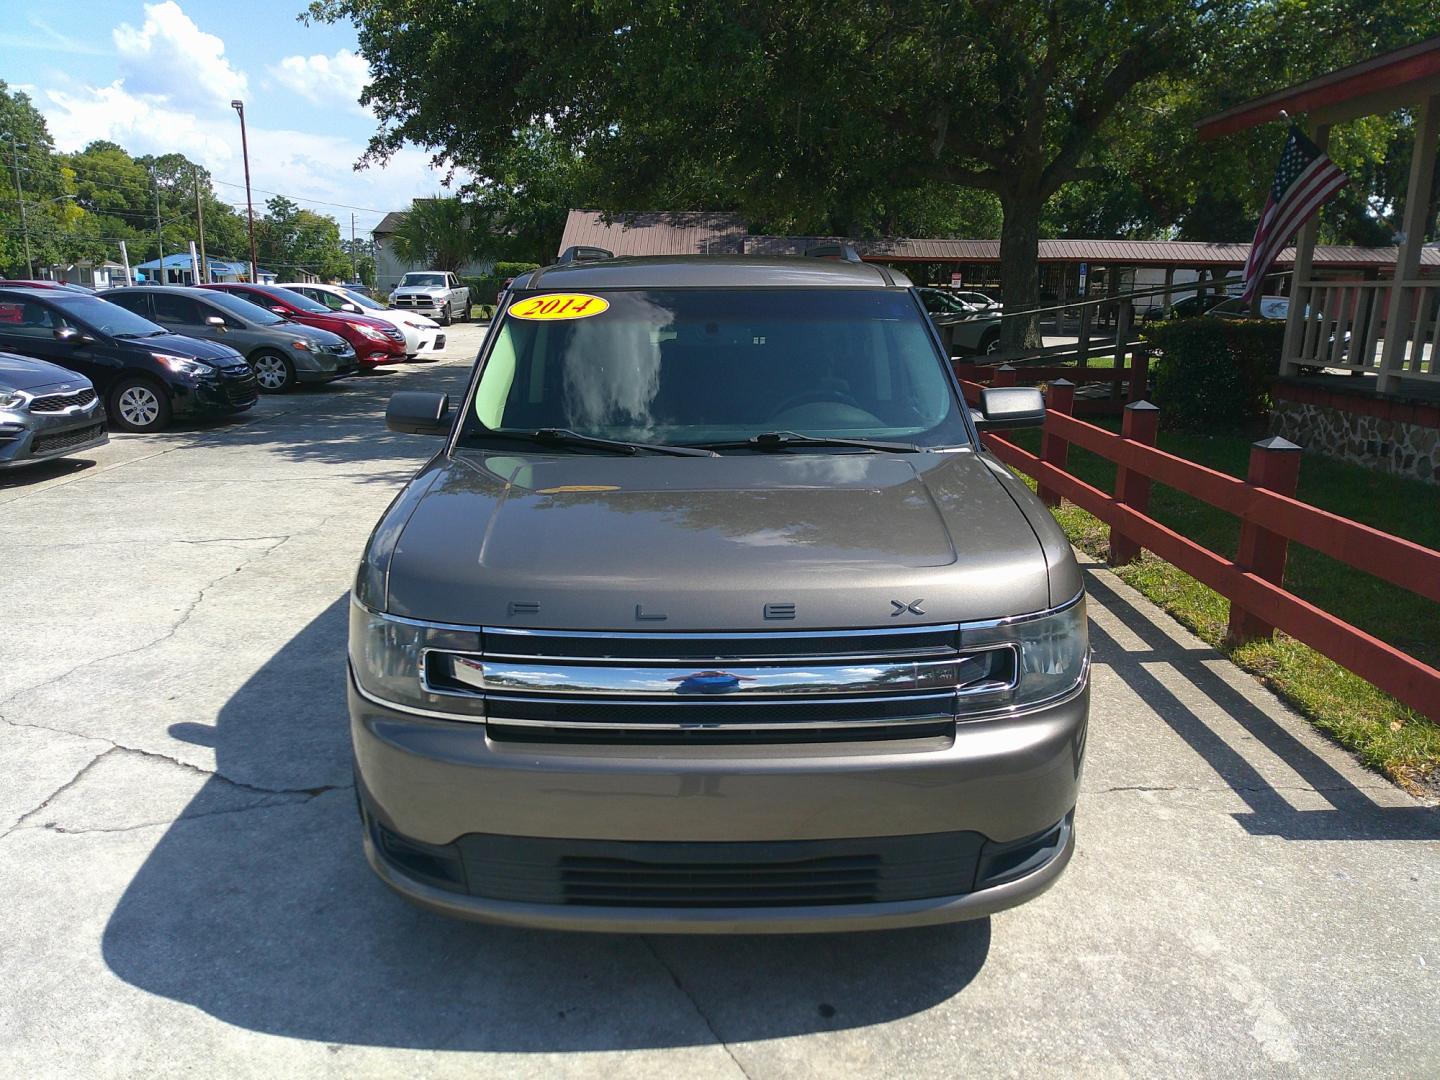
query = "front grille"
x=54 y=403
x=340 y=348
x=439 y=341
x=66 y=440
x=242 y=391
x=394 y=333
x=722 y=688
x=614 y=873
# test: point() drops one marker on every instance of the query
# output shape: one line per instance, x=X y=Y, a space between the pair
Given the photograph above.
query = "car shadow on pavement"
x=257 y=907
x=1353 y=814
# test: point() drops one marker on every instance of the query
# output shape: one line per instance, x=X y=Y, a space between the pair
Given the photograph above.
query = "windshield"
x=423 y=279
x=304 y=303
x=363 y=300
x=696 y=366
x=105 y=317
x=242 y=308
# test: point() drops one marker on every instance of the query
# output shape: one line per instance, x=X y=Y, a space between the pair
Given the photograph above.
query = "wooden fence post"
x=1142 y=421
x=1055 y=450
x=1004 y=376
x=965 y=370
x=1275 y=466
x=1139 y=373
x=1082 y=344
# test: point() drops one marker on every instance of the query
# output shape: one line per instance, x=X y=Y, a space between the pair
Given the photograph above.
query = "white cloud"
x=174 y=96
x=169 y=54
x=324 y=80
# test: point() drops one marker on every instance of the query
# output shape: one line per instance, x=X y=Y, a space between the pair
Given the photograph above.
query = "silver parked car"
x=964 y=328
x=281 y=353
x=45 y=412
x=713 y=614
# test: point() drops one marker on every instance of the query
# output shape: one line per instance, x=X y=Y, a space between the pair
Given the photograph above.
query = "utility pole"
x=354 y=266
x=159 y=233
x=239 y=107
x=20 y=198
x=200 y=225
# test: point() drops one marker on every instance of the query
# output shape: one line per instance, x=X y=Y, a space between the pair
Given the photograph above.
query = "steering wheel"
x=812 y=396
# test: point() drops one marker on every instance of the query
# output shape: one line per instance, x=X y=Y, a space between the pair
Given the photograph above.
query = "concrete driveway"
x=184 y=892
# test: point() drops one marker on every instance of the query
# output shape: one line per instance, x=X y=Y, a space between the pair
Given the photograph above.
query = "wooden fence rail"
x=1127 y=381
x=1270 y=518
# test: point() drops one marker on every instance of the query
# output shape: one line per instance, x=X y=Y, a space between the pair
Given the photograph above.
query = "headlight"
x=301 y=344
x=388 y=656
x=184 y=365
x=1054 y=650
x=373 y=333
x=13 y=399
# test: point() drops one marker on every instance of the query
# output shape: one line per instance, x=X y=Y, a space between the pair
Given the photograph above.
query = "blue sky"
x=158 y=76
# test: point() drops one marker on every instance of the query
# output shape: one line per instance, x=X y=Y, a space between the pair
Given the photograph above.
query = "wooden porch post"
x=1169 y=286
x=1407 y=262
x=1300 y=274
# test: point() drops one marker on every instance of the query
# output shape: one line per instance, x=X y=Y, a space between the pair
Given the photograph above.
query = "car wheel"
x=137 y=404
x=990 y=343
x=445 y=316
x=274 y=373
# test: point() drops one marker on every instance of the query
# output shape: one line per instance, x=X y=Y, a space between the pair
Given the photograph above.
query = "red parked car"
x=375 y=342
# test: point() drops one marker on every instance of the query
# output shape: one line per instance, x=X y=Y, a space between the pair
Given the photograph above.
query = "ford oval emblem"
x=709 y=682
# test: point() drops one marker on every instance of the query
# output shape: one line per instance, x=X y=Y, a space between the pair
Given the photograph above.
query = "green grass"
x=1386 y=735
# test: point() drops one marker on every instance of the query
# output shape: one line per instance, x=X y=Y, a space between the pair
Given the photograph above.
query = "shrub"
x=485 y=289
x=1214 y=373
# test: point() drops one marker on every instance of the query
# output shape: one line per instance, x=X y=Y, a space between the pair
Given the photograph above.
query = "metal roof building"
x=662 y=232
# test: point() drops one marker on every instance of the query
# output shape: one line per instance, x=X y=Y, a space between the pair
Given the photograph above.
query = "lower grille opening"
x=49 y=444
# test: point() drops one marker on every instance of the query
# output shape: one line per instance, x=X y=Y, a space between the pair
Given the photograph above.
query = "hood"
x=607 y=542
x=22 y=373
x=215 y=353
x=313 y=334
x=420 y=290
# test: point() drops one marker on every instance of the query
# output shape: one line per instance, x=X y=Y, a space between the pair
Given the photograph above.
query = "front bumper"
x=229 y=390
x=27 y=438
x=435 y=784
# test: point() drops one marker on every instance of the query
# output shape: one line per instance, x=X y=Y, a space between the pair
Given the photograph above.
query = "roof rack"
x=579 y=253
x=844 y=252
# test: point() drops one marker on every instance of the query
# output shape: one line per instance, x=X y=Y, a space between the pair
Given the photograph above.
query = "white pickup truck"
x=436 y=293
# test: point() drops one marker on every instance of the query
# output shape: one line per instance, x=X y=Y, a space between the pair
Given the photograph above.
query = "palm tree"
x=436 y=234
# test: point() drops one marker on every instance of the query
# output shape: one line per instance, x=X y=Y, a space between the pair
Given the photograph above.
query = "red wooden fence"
x=1270 y=517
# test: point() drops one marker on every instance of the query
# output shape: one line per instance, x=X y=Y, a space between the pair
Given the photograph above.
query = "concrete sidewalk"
x=185 y=892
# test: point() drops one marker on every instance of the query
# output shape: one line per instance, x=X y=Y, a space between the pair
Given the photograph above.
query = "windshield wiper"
x=566 y=437
x=147 y=333
x=780 y=440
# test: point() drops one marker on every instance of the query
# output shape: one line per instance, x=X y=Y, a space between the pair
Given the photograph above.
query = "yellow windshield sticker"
x=576 y=489
x=562 y=305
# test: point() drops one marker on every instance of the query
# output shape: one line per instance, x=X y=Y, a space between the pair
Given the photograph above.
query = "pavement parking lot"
x=185 y=892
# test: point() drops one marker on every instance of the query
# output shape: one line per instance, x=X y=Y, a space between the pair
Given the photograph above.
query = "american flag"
x=1304 y=181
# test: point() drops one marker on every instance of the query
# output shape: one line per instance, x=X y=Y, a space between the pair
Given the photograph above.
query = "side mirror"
x=68 y=335
x=418 y=412
x=1010 y=407
x=278 y=310
x=351 y=307
x=216 y=321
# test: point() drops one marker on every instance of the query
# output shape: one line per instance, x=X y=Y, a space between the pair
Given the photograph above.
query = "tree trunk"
x=1019 y=268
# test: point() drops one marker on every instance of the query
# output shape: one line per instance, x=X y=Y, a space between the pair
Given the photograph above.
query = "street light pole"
x=239 y=107
x=20 y=198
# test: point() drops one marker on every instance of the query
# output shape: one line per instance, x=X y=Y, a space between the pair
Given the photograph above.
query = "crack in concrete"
x=20 y=821
x=675 y=978
x=268 y=796
x=1220 y=789
x=175 y=627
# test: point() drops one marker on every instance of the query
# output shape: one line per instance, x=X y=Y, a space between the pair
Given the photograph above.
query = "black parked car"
x=145 y=373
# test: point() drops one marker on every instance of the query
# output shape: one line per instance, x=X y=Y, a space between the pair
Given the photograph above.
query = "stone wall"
x=1391 y=436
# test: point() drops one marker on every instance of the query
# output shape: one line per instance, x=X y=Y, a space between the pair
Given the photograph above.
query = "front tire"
x=445 y=316
x=274 y=372
x=138 y=404
x=990 y=343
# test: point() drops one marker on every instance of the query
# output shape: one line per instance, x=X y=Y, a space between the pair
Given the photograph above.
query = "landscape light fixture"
x=239 y=107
